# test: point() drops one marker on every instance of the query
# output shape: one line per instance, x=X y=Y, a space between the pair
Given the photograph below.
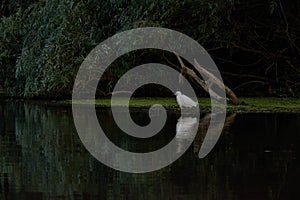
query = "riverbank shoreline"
x=249 y=105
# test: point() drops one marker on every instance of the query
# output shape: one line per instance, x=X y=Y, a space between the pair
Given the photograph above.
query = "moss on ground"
x=250 y=104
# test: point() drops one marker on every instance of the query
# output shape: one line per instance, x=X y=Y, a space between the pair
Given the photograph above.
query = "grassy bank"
x=253 y=104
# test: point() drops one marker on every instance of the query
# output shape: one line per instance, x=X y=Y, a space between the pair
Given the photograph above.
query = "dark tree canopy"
x=255 y=44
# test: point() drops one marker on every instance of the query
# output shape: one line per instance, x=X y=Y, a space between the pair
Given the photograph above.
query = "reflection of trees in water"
x=41 y=153
x=51 y=159
x=203 y=127
x=10 y=153
x=228 y=169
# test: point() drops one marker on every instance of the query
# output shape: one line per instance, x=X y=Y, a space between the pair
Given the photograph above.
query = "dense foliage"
x=43 y=42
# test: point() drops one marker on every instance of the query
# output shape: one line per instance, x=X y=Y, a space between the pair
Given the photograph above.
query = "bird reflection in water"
x=187 y=126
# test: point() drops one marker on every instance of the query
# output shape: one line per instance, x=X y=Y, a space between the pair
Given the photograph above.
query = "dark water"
x=41 y=157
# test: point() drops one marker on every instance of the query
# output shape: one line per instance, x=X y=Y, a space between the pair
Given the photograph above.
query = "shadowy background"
x=254 y=43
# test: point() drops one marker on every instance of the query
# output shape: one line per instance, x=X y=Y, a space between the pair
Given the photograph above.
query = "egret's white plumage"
x=184 y=101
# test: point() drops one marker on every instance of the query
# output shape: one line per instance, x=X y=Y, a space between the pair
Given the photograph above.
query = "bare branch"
x=218 y=82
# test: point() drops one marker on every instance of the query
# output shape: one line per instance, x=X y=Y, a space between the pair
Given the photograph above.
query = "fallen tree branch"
x=199 y=81
x=196 y=79
x=218 y=82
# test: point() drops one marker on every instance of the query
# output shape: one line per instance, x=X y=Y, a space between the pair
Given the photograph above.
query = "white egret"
x=185 y=101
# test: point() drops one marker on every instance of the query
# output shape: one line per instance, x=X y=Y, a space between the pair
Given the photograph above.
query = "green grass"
x=251 y=104
x=267 y=104
x=141 y=102
x=274 y=102
x=146 y=102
